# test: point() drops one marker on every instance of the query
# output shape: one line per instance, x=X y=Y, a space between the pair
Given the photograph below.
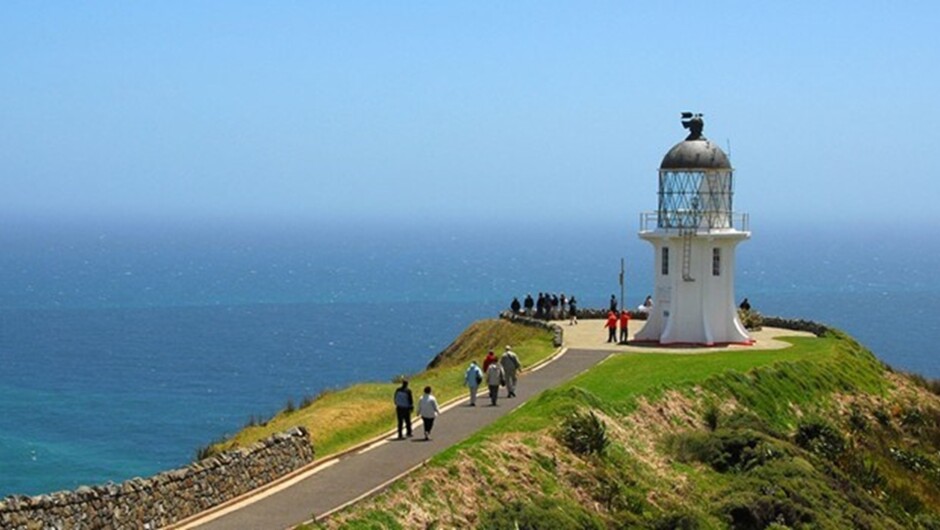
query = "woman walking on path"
x=494 y=378
x=427 y=408
x=472 y=378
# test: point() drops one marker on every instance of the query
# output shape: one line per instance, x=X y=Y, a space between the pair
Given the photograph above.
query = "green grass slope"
x=819 y=435
x=339 y=419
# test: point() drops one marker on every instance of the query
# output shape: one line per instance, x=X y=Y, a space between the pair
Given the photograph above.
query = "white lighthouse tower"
x=694 y=234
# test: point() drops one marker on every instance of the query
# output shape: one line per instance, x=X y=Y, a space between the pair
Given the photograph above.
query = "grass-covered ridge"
x=339 y=419
x=819 y=435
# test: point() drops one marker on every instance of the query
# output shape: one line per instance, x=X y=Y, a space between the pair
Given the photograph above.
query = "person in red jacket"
x=624 y=322
x=490 y=359
x=611 y=326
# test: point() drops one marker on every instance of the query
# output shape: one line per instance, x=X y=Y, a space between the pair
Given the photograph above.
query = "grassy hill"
x=341 y=418
x=819 y=435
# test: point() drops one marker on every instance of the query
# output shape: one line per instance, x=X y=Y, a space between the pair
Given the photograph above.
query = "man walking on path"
x=494 y=378
x=404 y=405
x=511 y=365
x=427 y=408
x=472 y=378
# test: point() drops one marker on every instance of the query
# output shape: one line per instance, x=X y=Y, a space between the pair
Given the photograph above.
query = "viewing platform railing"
x=694 y=220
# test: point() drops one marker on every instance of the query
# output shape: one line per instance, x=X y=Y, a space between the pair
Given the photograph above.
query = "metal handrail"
x=649 y=221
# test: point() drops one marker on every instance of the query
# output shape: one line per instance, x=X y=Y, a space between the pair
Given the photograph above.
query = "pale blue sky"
x=463 y=110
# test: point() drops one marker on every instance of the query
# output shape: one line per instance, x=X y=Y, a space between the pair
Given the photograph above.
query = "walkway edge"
x=312 y=468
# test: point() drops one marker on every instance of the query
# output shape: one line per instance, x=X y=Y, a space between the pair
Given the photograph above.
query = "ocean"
x=125 y=347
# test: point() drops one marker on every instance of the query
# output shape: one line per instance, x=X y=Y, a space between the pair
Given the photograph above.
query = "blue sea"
x=124 y=347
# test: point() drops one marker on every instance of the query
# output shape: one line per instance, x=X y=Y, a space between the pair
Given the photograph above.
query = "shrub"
x=883 y=417
x=541 y=514
x=711 y=415
x=750 y=319
x=727 y=451
x=584 y=433
x=677 y=519
x=857 y=421
x=819 y=437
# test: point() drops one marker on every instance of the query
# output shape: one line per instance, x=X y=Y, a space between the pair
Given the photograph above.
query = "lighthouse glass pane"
x=716 y=262
x=665 y=261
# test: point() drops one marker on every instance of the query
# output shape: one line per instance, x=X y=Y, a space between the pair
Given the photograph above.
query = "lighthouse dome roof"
x=699 y=154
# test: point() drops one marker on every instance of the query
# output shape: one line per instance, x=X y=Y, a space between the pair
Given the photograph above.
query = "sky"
x=464 y=111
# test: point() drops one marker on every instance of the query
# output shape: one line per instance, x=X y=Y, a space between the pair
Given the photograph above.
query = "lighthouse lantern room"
x=694 y=233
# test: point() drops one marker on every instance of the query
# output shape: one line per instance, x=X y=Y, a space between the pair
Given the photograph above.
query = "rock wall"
x=557 y=332
x=165 y=498
x=796 y=324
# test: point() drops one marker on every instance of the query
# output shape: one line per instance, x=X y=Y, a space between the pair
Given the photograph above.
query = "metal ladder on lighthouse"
x=687 y=235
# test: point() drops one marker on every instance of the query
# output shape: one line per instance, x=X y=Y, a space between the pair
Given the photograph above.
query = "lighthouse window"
x=716 y=262
x=665 y=261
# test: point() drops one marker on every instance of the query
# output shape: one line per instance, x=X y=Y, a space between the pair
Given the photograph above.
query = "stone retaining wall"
x=558 y=334
x=796 y=324
x=165 y=498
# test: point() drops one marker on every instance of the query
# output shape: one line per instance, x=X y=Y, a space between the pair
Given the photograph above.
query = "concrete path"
x=592 y=335
x=339 y=482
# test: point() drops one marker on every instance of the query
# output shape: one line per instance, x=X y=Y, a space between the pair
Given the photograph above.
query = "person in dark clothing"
x=529 y=303
x=515 y=306
x=572 y=311
x=404 y=405
x=613 y=303
x=745 y=305
x=540 y=306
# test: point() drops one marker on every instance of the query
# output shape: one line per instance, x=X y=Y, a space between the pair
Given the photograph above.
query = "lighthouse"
x=694 y=233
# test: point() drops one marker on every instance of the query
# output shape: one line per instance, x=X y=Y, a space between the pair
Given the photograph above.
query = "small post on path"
x=621 y=285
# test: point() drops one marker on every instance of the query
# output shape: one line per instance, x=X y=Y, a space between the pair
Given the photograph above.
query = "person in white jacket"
x=472 y=378
x=494 y=378
x=427 y=408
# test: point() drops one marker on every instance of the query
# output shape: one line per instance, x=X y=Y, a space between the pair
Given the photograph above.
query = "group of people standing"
x=611 y=324
x=496 y=373
x=547 y=306
x=503 y=371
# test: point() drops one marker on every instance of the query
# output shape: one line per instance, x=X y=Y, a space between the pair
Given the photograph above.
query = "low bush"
x=584 y=433
x=750 y=319
x=727 y=450
x=540 y=514
x=820 y=437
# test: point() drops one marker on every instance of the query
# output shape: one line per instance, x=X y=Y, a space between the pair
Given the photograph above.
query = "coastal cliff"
x=818 y=435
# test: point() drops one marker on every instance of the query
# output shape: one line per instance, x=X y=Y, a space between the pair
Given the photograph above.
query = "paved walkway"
x=592 y=335
x=330 y=485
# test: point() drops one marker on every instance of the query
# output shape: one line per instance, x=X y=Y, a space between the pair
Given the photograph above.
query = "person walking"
x=404 y=405
x=494 y=378
x=490 y=359
x=624 y=326
x=510 y=364
x=572 y=311
x=428 y=409
x=472 y=378
x=611 y=326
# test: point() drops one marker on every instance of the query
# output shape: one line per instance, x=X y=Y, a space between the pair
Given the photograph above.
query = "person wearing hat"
x=511 y=366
